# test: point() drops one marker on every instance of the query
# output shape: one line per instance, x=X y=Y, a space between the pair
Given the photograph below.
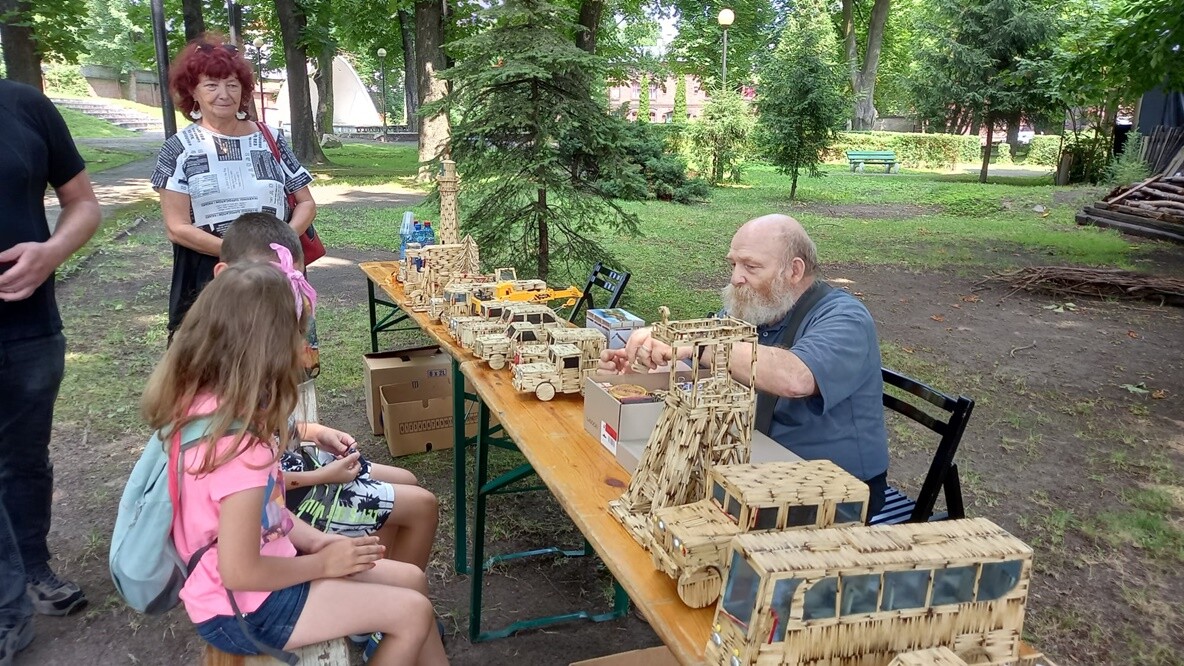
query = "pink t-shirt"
x=196 y=523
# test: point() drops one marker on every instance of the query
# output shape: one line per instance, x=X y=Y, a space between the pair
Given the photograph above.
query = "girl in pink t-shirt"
x=237 y=359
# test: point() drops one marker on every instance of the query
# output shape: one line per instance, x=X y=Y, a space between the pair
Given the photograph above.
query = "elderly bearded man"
x=819 y=387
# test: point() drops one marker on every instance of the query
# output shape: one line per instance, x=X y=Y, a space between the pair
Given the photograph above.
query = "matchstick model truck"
x=690 y=542
x=498 y=348
x=563 y=371
x=591 y=341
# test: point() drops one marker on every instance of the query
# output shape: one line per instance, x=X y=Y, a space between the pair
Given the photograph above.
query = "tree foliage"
x=643 y=99
x=698 y=47
x=973 y=63
x=801 y=94
x=719 y=141
x=680 y=100
x=531 y=141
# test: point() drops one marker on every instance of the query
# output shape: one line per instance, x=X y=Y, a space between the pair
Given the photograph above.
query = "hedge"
x=912 y=149
x=944 y=150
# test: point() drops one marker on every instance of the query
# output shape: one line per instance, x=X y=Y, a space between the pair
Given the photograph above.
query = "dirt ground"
x=1057 y=451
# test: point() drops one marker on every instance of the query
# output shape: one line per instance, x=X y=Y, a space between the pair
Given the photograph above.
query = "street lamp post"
x=382 y=69
x=258 y=43
x=725 y=19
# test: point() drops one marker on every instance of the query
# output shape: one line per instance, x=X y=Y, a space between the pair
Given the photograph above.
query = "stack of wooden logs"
x=1153 y=208
x=1164 y=148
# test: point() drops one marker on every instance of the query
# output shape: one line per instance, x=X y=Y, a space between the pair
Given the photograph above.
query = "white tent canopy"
x=352 y=105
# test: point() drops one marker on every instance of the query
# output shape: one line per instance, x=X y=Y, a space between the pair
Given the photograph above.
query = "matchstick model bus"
x=691 y=540
x=859 y=596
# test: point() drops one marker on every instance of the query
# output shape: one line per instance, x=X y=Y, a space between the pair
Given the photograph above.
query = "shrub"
x=912 y=149
x=65 y=79
x=653 y=173
x=1128 y=167
x=1044 y=150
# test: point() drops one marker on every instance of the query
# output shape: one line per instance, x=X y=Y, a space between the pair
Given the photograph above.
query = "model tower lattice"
x=427 y=270
x=705 y=422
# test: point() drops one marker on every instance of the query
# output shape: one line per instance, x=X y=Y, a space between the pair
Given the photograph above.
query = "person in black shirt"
x=35 y=151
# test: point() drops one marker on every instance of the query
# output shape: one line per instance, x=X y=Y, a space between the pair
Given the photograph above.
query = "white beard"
x=757 y=309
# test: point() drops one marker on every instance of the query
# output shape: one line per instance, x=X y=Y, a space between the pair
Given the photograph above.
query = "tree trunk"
x=410 y=88
x=990 y=125
x=1013 y=133
x=863 y=78
x=793 y=187
x=434 y=131
x=590 y=13
x=22 y=60
x=544 y=237
x=303 y=136
x=323 y=78
x=195 y=22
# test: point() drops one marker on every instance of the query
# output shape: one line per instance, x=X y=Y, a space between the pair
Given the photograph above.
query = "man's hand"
x=32 y=265
x=641 y=353
x=332 y=441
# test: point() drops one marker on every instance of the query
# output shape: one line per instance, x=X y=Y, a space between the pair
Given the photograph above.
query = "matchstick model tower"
x=706 y=421
x=449 y=231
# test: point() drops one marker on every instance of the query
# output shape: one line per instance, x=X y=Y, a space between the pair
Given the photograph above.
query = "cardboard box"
x=655 y=656
x=417 y=417
x=623 y=429
x=610 y=421
x=616 y=324
x=406 y=366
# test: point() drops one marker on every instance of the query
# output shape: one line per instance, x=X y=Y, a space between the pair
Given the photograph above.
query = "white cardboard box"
x=616 y=324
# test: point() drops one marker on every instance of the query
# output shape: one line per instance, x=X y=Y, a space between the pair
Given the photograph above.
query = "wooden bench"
x=329 y=653
x=858 y=158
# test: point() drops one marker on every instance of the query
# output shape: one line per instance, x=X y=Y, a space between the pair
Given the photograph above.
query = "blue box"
x=616 y=324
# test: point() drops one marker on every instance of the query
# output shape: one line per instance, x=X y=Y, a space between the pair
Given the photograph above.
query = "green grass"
x=370 y=164
x=101 y=159
x=152 y=111
x=83 y=126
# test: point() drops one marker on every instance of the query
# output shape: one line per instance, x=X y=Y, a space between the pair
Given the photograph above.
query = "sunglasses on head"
x=206 y=47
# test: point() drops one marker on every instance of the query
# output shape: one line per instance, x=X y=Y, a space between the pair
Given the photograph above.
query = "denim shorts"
x=271 y=624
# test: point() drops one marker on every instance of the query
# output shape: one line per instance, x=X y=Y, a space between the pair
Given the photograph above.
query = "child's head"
x=241 y=343
x=250 y=236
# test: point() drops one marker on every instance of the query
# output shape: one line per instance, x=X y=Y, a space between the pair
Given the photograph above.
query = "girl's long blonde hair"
x=241 y=343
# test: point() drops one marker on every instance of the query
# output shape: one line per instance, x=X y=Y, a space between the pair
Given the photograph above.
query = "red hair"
x=208 y=55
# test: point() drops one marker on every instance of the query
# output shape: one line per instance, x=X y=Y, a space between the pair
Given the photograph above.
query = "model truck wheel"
x=545 y=391
x=497 y=361
x=699 y=588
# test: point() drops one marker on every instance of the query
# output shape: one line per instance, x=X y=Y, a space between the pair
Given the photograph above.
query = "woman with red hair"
x=221 y=166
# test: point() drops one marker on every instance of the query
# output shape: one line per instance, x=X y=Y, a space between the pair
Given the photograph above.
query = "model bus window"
x=849 y=512
x=782 y=605
x=571 y=362
x=998 y=579
x=740 y=595
x=820 y=600
x=904 y=589
x=766 y=518
x=861 y=594
x=719 y=495
x=734 y=508
x=954 y=585
x=802 y=516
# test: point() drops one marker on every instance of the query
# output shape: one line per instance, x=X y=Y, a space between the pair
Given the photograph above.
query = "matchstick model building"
x=860 y=596
x=705 y=422
x=691 y=541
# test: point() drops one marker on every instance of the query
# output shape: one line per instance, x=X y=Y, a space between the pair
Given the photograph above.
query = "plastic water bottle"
x=429 y=235
x=405 y=231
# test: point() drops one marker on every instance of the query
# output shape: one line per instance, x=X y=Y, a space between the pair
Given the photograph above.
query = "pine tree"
x=801 y=93
x=643 y=101
x=530 y=140
x=680 y=100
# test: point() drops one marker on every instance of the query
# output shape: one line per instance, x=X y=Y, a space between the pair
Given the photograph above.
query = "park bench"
x=858 y=158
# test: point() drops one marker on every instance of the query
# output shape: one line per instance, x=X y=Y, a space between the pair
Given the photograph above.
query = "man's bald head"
x=788 y=233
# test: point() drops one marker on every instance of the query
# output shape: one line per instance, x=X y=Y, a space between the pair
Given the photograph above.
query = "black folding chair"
x=606 y=279
x=943 y=471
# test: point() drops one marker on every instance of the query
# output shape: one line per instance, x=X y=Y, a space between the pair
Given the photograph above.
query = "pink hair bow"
x=301 y=289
